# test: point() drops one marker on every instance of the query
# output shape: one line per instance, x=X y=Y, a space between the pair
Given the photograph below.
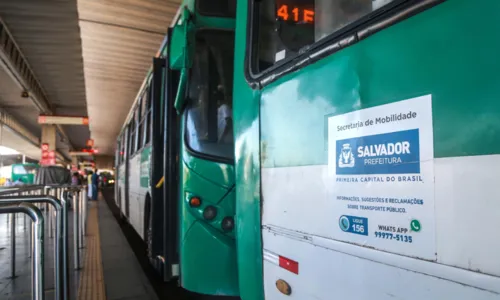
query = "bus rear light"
x=227 y=224
x=195 y=202
x=289 y=264
x=210 y=213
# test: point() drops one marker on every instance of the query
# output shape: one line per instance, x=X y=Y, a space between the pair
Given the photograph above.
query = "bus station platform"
x=109 y=269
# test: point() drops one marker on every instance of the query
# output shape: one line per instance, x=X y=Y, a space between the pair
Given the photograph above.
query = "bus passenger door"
x=156 y=217
x=171 y=173
x=164 y=165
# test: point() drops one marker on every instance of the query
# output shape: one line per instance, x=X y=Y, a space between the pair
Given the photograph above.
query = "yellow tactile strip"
x=91 y=285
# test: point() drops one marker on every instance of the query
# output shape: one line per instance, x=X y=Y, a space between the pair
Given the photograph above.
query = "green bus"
x=365 y=156
x=175 y=153
x=26 y=172
x=367 y=149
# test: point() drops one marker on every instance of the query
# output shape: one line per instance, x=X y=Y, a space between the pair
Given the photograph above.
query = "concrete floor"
x=123 y=276
x=20 y=287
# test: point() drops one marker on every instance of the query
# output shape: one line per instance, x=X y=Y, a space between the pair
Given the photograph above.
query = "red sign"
x=48 y=157
x=63 y=120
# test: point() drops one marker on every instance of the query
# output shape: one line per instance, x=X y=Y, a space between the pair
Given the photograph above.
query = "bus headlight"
x=227 y=224
x=210 y=213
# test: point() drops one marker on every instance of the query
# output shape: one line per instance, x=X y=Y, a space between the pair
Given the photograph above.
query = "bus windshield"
x=209 y=126
x=24 y=169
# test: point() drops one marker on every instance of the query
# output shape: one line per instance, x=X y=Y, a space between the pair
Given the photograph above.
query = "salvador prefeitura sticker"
x=380 y=162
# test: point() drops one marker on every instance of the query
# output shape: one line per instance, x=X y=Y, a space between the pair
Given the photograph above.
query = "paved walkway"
x=110 y=269
x=91 y=281
x=19 y=288
x=123 y=275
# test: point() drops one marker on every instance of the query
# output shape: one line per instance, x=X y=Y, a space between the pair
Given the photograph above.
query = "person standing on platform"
x=75 y=179
x=95 y=184
x=89 y=184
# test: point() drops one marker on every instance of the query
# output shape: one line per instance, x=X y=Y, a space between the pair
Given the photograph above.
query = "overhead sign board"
x=84 y=152
x=63 y=120
x=80 y=153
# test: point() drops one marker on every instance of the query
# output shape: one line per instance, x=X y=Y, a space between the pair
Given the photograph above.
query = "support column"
x=49 y=136
x=74 y=162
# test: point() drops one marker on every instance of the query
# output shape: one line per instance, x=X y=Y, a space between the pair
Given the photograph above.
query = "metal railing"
x=59 y=251
x=37 y=261
x=54 y=201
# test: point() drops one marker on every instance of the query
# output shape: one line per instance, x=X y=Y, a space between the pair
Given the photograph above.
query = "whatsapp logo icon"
x=415 y=225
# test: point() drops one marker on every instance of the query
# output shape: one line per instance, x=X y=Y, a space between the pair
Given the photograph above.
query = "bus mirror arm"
x=180 y=98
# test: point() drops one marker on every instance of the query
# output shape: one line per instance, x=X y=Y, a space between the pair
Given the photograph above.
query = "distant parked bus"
x=25 y=172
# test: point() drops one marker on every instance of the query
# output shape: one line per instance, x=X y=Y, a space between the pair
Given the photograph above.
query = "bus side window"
x=147 y=121
x=138 y=127
x=132 y=132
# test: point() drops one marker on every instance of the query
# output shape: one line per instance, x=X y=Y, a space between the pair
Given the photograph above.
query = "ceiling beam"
x=16 y=65
x=17 y=128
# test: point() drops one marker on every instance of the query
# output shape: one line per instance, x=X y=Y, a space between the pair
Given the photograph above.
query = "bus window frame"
x=140 y=116
x=132 y=132
x=147 y=117
x=140 y=127
x=192 y=152
x=118 y=150
x=378 y=20
x=129 y=137
x=137 y=116
x=140 y=122
x=123 y=146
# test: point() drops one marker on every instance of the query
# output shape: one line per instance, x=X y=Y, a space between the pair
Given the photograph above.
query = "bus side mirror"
x=181 y=54
x=180 y=97
x=181 y=45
